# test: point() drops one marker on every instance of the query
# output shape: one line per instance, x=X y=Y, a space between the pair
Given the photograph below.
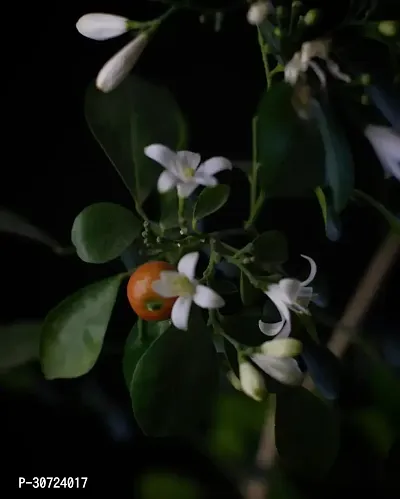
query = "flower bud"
x=388 y=28
x=257 y=12
x=311 y=17
x=252 y=381
x=234 y=380
x=102 y=26
x=365 y=79
x=121 y=64
x=282 y=347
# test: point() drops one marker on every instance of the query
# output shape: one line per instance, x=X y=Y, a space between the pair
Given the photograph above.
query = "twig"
x=352 y=318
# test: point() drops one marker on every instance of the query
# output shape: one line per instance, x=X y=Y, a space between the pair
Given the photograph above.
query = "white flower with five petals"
x=386 y=143
x=182 y=283
x=183 y=169
x=275 y=358
x=289 y=294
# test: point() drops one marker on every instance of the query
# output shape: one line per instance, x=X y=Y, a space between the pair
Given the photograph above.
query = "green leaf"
x=339 y=166
x=270 y=248
x=244 y=328
x=210 y=200
x=102 y=231
x=167 y=485
x=289 y=150
x=19 y=343
x=235 y=432
x=307 y=433
x=142 y=335
x=391 y=219
x=231 y=355
x=331 y=218
x=73 y=332
x=248 y=293
x=126 y=120
x=375 y=428
x=174 y=381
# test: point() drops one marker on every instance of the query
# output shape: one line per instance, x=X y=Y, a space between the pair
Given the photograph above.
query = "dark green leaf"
x=289 y=150
x=126 y=120
x=167 y=485
x=210 y=200
x=248 y=293
x=331 y=218
x=19 y=343
x=244 y=328
x=339 y=168
x=231 y=355
x=174 y=381
x=73 y=332
x=270 y=248
x=375 y=428
x=103 y=231
x=307 y=433
x=142 y=335
x=235 y=432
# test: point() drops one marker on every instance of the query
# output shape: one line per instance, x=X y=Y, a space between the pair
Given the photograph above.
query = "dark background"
x=52 y=168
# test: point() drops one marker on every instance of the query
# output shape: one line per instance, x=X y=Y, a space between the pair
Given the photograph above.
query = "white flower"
x=289 y=294
x=386 y=143
x=251 y=381
x=303 y=60
x=102 y=26
x=275 y=359
x=257 y=12
x=120 y=65
x=182 y=169
x=183 y=284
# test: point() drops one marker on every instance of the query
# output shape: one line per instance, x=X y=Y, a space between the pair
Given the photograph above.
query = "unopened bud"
x=312 y=17
x=257 y=12
x=364 y=100
x=102 y=26
x=121 y=64
x=388 y=28
x=234 y=380
x=252 y=381
x=365 y=79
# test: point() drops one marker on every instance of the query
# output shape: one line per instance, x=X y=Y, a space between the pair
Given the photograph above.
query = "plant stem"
x=257 y=207
x=264 y=52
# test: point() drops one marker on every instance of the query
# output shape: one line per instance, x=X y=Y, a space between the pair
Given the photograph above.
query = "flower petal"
x=313 y=271
x=214 y=165
x=120 y=65
x=187 y=264
x=282 y=347
x=165 y=285
x=102 y=26
x=185 y=189
x=180 y=312
x=163 y=155
x=290 y=289
x=206 y=297
x=189 y=159
x=166 y=182
x=271 y=328
x=206 y=180
x=251 y=381
x=285 y=371
x=386 y=143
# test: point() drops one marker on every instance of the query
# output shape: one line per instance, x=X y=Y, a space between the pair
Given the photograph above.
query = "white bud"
x=282 y=347
x=102 y=26
x=120 y=65
x=252 y=381
x=257 y=12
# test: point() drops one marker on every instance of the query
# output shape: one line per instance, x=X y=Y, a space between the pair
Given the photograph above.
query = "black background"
x=51 y=168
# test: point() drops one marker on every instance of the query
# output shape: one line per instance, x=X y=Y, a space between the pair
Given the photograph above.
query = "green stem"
x=247 y=273
x=211 y=263
x=264 y=51
x=257 y=207
x=181 y=210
